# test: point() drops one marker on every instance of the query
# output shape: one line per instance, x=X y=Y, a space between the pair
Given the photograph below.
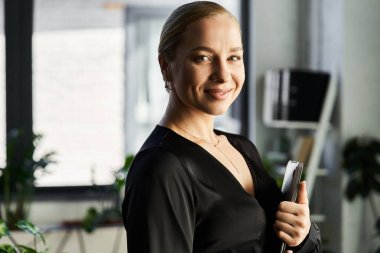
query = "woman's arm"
x=158 y=208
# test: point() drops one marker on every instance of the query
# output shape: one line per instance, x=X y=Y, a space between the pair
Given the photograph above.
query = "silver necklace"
x=215 y=145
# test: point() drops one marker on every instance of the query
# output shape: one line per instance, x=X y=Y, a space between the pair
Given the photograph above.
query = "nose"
x=221 y=72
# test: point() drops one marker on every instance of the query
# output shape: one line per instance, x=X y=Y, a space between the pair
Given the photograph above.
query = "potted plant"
x=361 y=161
x=109 y=214
x=17 y=178
x=15 y=247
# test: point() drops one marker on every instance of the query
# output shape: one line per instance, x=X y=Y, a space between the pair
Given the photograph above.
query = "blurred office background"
x=90 y=84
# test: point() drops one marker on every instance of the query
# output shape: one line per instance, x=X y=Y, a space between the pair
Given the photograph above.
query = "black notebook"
x=290 y=184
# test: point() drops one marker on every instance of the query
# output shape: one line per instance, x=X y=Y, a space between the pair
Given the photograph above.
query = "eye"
x=234 y=58
x=202 y=58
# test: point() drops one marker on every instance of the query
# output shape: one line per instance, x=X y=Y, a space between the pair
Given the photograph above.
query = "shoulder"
x=161 y=153
x=155 y=162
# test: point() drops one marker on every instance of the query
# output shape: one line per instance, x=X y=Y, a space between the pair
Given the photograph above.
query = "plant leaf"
x=128 y=161
x=30 y=228
x=90 y=220
x=6 y=248
x=4 y=231
x=25 y=249
x=122 y=173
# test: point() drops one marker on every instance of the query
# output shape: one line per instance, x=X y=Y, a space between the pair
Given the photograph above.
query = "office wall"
x=360 y=108
x=276 y=45
x=361 y=89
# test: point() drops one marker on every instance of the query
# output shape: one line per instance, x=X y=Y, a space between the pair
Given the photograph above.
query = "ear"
x=165 y=68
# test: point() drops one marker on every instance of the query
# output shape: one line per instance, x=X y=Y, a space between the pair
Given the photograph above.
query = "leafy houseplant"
x=14 y=247
x=110 y=214
x=361 y=160
x=18 y=176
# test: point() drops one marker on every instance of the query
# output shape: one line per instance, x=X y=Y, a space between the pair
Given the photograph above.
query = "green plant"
x=15 y=247
x=109 y=214
x=361 y=160
x=18 y=176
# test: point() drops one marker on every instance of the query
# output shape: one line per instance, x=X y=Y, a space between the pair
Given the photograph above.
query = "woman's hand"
x=293 y=219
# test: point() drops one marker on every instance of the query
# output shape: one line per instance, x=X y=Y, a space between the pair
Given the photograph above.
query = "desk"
x=105 y=238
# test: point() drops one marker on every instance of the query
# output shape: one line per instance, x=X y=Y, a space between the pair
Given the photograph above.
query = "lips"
x=218 y=94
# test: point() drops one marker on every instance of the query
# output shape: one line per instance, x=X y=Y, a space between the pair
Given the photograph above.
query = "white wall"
x=360 y=106
x=276 y=46
x=361 y=89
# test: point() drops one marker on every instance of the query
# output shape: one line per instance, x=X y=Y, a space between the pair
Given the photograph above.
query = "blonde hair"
x=176 y=24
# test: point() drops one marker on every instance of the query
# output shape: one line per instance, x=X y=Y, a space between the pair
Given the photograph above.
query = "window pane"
x=2 y=87
x=146 y=97
x=78 y=50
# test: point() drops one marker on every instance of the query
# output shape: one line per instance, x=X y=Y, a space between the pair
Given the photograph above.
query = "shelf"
x=317 y=218
x=292 y=124
x=275 y=116
x=322 y=172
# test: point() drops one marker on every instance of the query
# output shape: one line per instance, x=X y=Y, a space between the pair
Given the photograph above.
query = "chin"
x=218 y=111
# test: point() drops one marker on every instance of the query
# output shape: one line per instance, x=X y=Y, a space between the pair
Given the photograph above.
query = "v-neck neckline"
x=223 y=167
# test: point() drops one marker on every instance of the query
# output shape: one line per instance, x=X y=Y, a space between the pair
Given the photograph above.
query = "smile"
x=218 y=94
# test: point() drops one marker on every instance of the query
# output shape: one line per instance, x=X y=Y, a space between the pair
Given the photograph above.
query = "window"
x=78 y=50
x=145 y=94
x=84 y=85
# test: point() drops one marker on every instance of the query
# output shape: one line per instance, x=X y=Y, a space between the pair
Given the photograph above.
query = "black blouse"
x=180 y=199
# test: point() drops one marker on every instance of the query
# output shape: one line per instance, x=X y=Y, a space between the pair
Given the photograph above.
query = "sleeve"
x=158 y=209
x=312 y=243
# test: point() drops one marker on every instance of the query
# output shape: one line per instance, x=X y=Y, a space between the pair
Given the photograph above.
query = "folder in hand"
x=290 y=184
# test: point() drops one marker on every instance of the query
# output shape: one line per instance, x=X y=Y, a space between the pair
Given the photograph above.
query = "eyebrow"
x=204 y=48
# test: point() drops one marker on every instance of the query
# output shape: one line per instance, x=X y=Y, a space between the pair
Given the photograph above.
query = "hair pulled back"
x=176 y=24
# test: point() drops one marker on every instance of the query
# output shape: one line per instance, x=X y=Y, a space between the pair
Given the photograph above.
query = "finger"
x=299 y=222
x=284 y=227
x=289 y=251
x=302 y=193
x=287 y=239
x=286 y=217
x=288 y=207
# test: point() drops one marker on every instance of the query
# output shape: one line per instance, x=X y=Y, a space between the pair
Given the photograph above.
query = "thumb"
x=302 y=193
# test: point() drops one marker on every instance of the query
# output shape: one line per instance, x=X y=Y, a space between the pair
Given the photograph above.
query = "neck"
x=190 y=121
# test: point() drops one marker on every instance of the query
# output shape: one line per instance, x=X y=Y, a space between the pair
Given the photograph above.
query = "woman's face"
x=208 y=68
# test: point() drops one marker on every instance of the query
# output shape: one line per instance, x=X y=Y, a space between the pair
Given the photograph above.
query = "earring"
x=169 y=86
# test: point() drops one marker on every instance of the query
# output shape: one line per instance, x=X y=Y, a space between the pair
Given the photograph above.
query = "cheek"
x=240 y=76
x=193 y=76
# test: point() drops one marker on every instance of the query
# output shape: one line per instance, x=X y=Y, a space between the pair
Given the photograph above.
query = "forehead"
x=213 y=31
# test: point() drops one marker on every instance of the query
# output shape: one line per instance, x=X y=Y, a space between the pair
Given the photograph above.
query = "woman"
x=195 y=189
